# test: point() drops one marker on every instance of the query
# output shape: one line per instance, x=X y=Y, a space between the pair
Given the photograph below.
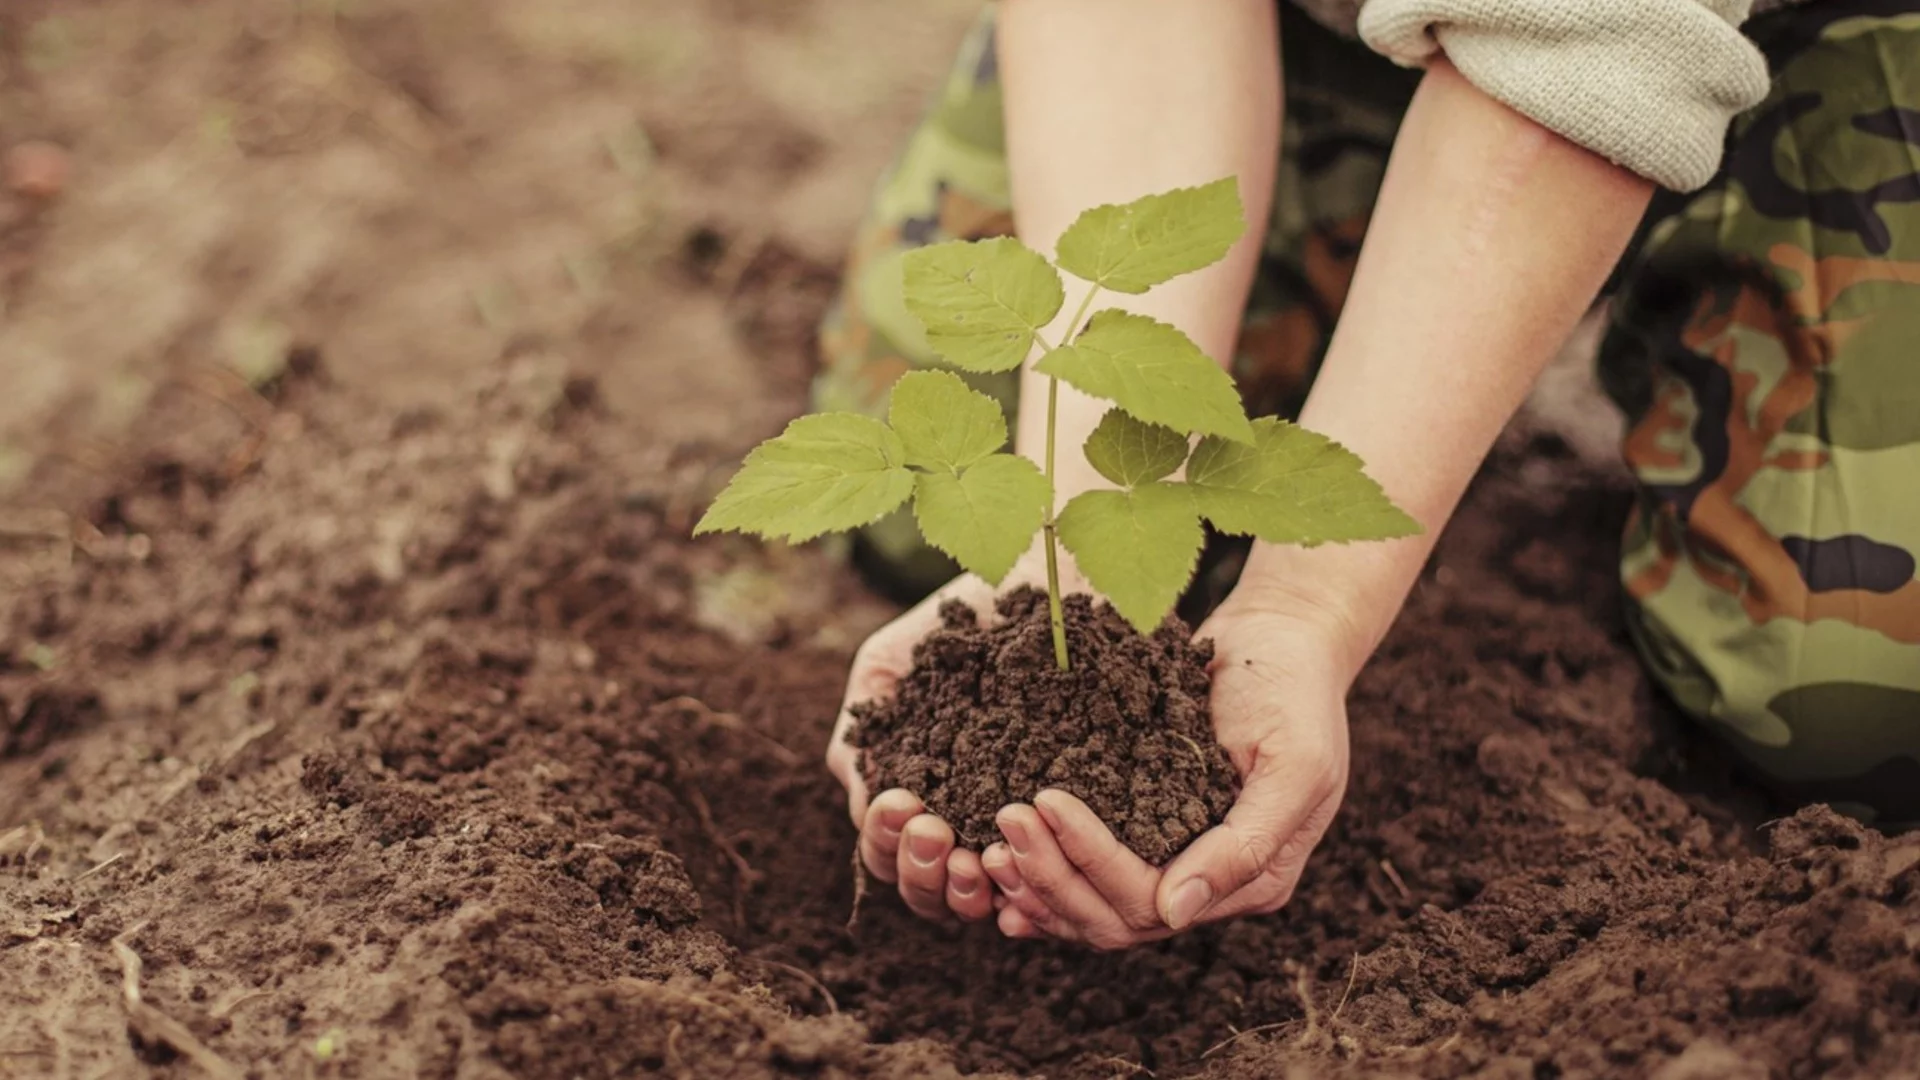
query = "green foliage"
x=839 y=471
x=943 y=422
x=985 y=305
x=986 y=516
x=1129 y=452
x=825 y=473
x=1138 y=547
x=1291 y=486
x=1153 y=371
x=1151 y=241
x=982 y=302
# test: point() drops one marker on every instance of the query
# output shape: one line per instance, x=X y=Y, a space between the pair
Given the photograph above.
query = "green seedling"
x=986 y=306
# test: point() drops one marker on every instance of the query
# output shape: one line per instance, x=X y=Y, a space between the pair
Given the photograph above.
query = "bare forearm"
x=1110 y=100
x=1491 y=237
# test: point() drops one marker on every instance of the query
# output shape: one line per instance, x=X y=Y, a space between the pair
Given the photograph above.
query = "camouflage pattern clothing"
x=1765 y=344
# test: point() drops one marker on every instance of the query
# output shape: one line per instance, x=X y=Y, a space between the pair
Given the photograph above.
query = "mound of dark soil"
x=986 y=718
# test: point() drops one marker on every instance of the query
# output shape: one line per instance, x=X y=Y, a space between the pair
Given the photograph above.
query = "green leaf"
x=986 y=516
x=981 y=301
x=1292 y=486
x=1133 y=247
x=1153 y=371
x=943 y=422
x=825 y=473
x=1137 y=547
x=1130 y=452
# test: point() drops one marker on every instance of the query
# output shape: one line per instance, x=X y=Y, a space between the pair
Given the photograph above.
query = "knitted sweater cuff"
x=1651 y=85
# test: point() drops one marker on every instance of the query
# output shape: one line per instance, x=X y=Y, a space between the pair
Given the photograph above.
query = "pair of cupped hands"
x=1280 y=677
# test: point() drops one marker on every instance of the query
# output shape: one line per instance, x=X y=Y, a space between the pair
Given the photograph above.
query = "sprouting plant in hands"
x=985 y=305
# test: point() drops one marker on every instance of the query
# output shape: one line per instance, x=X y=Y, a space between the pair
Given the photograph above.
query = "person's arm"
x=1110 y=100
x=1106 y=101
x=1490 y=239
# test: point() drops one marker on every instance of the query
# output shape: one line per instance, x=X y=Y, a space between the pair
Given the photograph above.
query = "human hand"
x=900 y=843
x=1280 y=679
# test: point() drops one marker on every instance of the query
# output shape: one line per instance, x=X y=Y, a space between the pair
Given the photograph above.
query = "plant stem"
x=1056 y=614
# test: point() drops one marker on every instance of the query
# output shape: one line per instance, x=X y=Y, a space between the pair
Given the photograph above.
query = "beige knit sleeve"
x=1649 y=84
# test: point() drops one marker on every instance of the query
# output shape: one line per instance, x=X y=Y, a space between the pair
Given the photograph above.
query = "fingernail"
x=1046 y=813
x=999 y=866
x=1189 y=902
x=1016 y=835
x=963 y=884
x=924 y=850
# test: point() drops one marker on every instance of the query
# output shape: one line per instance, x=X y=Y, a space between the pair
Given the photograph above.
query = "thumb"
x=869 y=679
x=878 y=665
x=1266 y=830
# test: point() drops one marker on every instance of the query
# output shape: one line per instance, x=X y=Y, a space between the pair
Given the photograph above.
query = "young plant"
x=985 y=305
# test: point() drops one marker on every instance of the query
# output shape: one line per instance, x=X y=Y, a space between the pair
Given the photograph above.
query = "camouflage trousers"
x=1764 y=343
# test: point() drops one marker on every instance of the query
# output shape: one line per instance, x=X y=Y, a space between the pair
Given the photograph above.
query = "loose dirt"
x=402 y=754
x=986 y=718
x=366 y=710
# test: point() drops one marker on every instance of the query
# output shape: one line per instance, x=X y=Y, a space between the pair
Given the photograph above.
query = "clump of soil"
x=986 y=718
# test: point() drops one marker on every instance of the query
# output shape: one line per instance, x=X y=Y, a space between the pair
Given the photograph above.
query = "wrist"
x=1350 y=594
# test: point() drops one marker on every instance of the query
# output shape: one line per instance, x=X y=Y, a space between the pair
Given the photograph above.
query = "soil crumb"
x=986 y=718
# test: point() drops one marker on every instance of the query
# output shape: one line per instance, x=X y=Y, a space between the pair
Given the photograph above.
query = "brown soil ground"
x=366 y=712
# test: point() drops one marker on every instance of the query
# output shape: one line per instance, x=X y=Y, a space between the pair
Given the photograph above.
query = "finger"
x=880 y=832
x=1021 y=914
x=998 y=862
x=969 y=894
x=925 y=843
x=1272 y=828
x=1014 y=923
x=843 y=761
x=1268 y=894
x=1057 y=882
x=1122 y=878
x=877 y=668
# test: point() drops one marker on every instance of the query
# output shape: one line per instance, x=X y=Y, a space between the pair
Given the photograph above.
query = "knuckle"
x=1251 y=855
x=878 y=862
x=1041 y=882
x=1329 y=779
x=1095 y=860
x=918 y=896
x=1035 y=909
x=1277 y=896
x=1141 y=918
x=1047 y=924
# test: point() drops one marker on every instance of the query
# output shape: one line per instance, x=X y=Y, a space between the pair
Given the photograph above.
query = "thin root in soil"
x=152 y=1024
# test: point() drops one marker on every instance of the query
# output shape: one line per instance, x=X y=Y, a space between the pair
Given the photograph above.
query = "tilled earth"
x=346 y=742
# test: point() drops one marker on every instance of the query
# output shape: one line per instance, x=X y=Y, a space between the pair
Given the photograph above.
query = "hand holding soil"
x=964 y=719
x=1279 y=708
x=899 y=842
x=1057 y=870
